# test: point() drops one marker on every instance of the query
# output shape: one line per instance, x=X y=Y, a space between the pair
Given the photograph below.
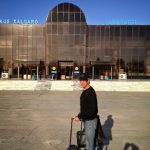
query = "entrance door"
x=65 y=69
x=101 y=71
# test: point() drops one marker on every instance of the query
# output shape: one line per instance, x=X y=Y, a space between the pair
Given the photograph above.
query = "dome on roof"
x=66 y=12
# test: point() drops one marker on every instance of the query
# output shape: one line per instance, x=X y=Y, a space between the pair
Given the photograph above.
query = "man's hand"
x=76 y=118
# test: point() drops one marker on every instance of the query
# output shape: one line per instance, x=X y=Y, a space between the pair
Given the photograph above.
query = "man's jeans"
x=90 y=127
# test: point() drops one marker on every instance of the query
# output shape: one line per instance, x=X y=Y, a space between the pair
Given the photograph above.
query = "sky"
x=97 y=12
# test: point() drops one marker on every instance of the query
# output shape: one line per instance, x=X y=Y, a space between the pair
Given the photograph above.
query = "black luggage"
x=81 y=137
x=99 y=135
x=71 y=147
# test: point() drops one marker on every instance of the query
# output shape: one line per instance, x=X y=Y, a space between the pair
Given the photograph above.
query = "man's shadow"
x=107 y=127
x=131 y=146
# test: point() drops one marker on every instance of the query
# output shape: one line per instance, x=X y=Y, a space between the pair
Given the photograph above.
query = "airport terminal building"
x=66 y=45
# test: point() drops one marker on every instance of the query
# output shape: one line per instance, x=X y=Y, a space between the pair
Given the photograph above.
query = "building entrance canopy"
x=101 y=68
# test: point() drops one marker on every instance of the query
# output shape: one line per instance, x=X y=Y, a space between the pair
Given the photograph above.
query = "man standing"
x=88 y=111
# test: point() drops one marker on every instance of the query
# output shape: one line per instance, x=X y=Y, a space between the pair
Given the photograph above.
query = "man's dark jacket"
x=88 y=104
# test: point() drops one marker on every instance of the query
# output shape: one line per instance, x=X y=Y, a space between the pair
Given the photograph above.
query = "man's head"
x=84 y=81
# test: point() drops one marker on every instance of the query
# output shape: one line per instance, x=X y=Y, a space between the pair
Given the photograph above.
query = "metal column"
x=83 y=69
x=37 y=72
x=18 y=72
x=111 y=72
x=93 y=74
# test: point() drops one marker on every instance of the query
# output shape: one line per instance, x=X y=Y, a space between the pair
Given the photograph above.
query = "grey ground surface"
x=41 y=120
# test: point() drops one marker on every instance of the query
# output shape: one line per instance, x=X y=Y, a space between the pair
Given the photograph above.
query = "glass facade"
x=66 y=41
x=21 y=44
x=126 y=47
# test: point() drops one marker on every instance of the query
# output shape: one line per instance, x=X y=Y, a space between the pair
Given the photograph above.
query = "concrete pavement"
x=40 y=120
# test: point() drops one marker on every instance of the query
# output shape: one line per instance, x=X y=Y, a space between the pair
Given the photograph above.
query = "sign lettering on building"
x=18 y=21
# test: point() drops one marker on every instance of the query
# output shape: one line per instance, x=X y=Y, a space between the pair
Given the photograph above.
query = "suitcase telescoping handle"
x=71 y=130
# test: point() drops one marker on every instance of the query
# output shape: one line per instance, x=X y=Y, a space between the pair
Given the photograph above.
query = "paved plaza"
x=40 y=120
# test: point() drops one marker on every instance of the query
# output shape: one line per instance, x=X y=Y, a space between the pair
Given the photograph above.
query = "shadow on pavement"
x=107 y=127
x=130 y=146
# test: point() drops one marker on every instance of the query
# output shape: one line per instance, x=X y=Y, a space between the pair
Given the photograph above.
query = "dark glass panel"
x=61 y=7
x=77 y=29
x=54 y=10
x=49 y=19
x=148 y=32
x=135 y=52
x=142 y=32
x=25 y=30
x=15 y=29
x=2 y=29
x=15 y=40
x=34 y=43
x=14 y=55
x=111 y=32
x=40 y=42
x=141 y=65
x=29 y=41
x=60 y=17
x=37 y=30
x=123 y=53
x=2 y=51
x=123 y=33
x=8 y=29
x=20 y=30
x=98 y=31
x=107 y=33
x=9 y=40
x=66 y=29
x=49 y=30
x=2 y=40
x=83 y=29
x=76 y=9
x=66 y=17
x=102 y=32
x=66 y=7
x=77 y=39
x=60 y=29
x=107 y=52
x=54 y=17
x=77 y=17
x=54 y=28
x=20 y=41
x=83 y=18
x=71 y=8
x=117 y=32
x=25 y=40
x=141 y=52
x=30 y=30
x=71 y=17
x=129 y=32
x=129 y=52
x=92 y=30
x=135 y=32
x=71 y=29
x=49 y=40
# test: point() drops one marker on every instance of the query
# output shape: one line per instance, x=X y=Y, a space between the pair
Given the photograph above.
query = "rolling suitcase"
x=71 y=147
x=81 y=137
x=99 y=135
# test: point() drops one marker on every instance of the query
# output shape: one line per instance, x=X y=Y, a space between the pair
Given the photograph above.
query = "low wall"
x=116 y=85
